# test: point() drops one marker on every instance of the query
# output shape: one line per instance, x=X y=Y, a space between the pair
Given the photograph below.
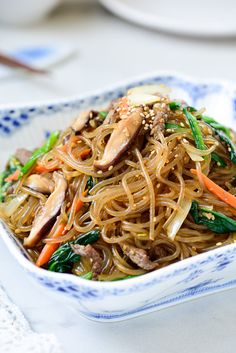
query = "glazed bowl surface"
x=207 y=273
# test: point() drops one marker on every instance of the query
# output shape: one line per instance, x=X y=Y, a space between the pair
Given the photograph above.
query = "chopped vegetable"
x=137 y=99
x=80 y=203
x=215 y=189
x=90 y=183
x=85 y=153
x=219 y=161
x=12 y=166
x=102 y=114
x=39 y=168
x=217 y=126
x=224 y=134
x=215 y=221
x=230 y=145
x=150 y=89
x=180 y=216
x=195 y=129
x=14 y=176
x=192 y=109
x=88 y=276
x=40 y=152
x=173 y=126
x=174 y=105
x=64 y=258
x=3 y=190
x=13 y=204
x=49 y=249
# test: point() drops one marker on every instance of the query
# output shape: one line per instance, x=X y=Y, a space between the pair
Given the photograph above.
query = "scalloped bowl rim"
x=227 y=84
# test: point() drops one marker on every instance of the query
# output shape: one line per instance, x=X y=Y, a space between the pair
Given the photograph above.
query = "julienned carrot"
x=49 y=249
x=85 y=153
x=215 y=189
x=80 y=203
x=41 y=169
x=14 y=176
x=64 y=148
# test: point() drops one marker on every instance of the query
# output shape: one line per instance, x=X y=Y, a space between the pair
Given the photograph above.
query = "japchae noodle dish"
x=126 y=190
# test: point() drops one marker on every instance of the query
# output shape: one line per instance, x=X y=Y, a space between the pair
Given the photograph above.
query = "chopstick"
x=17 y=64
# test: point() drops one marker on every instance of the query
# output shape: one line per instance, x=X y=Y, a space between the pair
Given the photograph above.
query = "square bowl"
x=191 y=278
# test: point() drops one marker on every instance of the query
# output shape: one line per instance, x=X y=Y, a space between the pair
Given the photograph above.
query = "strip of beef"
x=92 y=254
x=47 y=216
x=162 y=112
x=121 y=138
x=138 y=256
x=22 y=155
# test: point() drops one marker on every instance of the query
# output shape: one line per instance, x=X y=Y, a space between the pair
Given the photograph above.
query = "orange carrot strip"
x=49 y=249
x=39 y=168
x=215 y=189
x=64 y=148
x=80 y=203
x=85 y=153
x=14 y=176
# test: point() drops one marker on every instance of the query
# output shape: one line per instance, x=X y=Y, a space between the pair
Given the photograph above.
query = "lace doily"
x=16 y=335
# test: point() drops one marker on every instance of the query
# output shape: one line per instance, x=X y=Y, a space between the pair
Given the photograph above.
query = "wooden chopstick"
x=17 y=64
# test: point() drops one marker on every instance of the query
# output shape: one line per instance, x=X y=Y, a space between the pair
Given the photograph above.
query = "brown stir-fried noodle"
x=141 y=201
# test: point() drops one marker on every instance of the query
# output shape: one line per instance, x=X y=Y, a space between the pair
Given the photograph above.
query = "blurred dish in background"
x=20 y=12
x=207 y=18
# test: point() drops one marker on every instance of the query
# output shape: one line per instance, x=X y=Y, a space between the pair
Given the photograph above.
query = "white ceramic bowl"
x=24 y=12
x=109 y=301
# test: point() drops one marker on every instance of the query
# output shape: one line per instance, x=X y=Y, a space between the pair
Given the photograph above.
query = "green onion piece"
x=192 y=109
x=215 y=221
x=174 y=105
x=88 y=276
x=49 y=144
x=12 y=165
x=195 y=129
x=230 y=145
x=219 y=161
x=217 y=126
x=3 y=190
x=173 y=126
x=103 y=114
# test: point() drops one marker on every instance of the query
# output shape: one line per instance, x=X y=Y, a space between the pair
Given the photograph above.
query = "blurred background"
x=91 y=44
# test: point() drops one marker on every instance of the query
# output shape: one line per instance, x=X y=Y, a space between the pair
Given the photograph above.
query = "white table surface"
x=110 y=50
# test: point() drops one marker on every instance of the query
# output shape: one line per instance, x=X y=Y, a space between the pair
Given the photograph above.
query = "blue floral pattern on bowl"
x=191 y=278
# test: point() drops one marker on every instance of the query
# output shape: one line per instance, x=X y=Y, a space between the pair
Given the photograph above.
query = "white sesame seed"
x=110 y=168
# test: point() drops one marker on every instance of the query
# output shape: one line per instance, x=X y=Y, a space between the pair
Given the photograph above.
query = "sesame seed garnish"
x=100 y=172
x=110 y=168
